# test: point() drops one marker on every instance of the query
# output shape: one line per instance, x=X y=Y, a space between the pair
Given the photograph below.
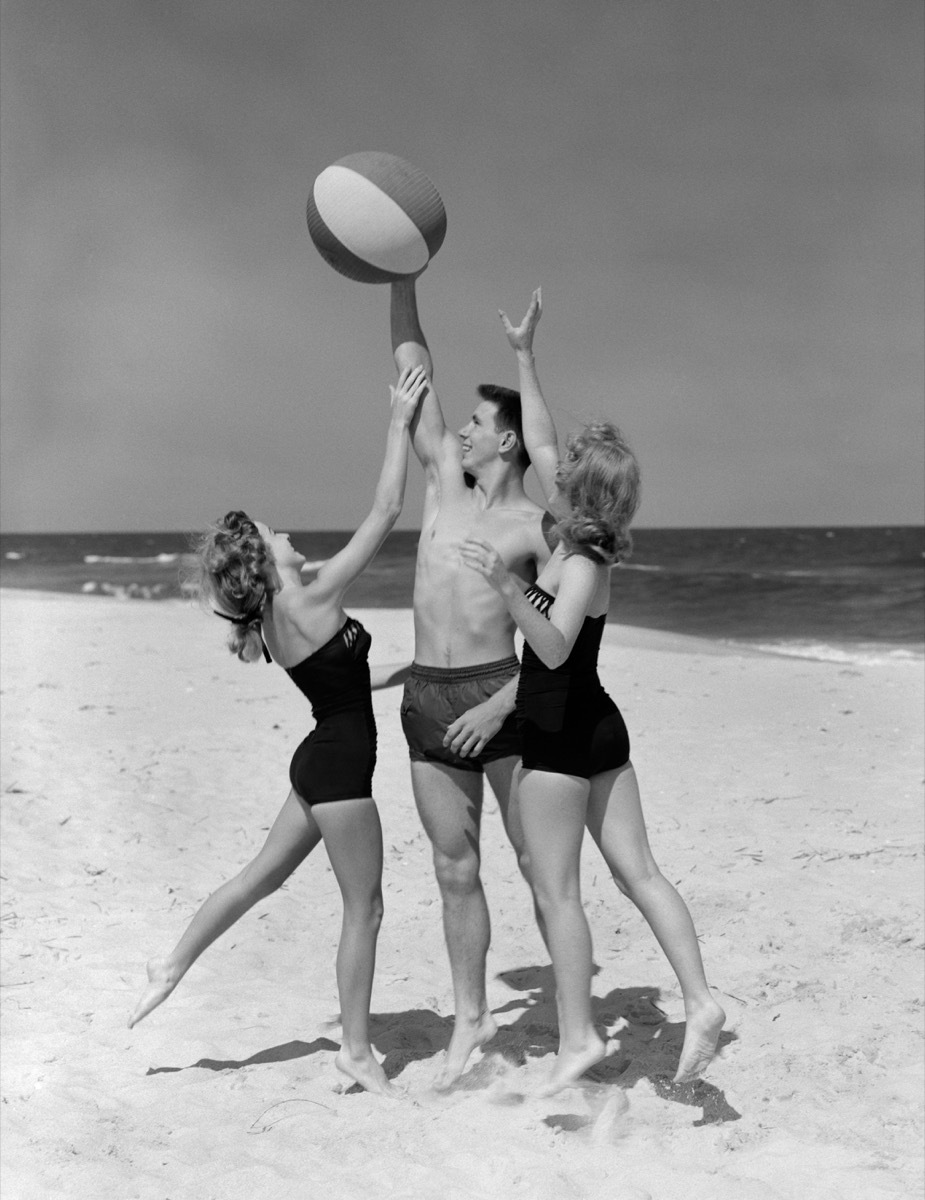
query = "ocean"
x=836 y=592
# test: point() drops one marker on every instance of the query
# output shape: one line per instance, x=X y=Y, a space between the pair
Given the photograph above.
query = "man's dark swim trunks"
x=436 y=696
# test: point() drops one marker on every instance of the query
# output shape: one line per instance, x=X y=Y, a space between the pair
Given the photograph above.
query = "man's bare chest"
x=511 y=532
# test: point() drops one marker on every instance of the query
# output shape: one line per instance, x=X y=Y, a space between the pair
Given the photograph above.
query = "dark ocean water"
x=819 y=591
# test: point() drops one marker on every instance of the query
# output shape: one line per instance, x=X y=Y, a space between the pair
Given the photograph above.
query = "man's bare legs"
x=353 y=832
x=353 y=839
x=293 y=836
x=553 y=809
x=449 y=802
x=615 y=821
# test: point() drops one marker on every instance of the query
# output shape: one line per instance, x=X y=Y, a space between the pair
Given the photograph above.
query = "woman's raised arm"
x=539 y=428
x=336 y=575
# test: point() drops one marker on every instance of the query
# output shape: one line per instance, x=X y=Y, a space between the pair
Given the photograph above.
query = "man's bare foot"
x=570 y=1065
x=365 y=1070
x=466 y=1038
x=162 y=979
x=703 y=1027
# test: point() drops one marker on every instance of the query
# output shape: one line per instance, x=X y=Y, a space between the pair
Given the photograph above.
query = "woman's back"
x=335 y=677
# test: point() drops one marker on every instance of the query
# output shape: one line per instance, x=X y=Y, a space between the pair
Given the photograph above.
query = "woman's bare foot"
x=365 y=1070
x=466 y=1038
x=703 y=1026
x=162 y=979
x=571 y=1064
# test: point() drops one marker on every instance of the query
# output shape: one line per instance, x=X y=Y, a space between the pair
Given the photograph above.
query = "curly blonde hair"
x=233 y=570
x=600 y=480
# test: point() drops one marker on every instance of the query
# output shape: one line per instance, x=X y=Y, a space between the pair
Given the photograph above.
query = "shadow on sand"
x=281 y=1053
x=648 y=1045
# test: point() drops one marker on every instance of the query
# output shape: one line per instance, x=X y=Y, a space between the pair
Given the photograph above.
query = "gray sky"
x=721 y=199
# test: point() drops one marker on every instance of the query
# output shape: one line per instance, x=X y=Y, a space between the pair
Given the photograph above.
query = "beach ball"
x=375 y=218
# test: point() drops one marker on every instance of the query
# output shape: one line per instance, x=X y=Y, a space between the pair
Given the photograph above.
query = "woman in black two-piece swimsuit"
x=251 y=575
x=576 y=768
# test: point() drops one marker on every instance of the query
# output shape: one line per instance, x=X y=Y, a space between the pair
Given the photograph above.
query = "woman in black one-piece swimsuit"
x=576 y=769
x=252 y=577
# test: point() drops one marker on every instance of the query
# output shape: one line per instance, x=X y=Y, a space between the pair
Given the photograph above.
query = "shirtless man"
x=458 y=706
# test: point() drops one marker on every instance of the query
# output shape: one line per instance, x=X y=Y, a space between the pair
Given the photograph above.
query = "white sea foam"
x=120 y=558
x=130 y=591
x=865 y=654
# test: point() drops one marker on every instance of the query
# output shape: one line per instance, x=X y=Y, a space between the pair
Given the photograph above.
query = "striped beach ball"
x=375 y=218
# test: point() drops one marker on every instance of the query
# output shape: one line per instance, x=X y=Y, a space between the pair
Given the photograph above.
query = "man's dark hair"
x=507 y=415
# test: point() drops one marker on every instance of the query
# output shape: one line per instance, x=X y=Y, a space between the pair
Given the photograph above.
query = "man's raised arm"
x=409 y=348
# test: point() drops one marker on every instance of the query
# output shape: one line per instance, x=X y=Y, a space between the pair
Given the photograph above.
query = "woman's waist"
x=575 y=667
x=343 y=706
x=328 y=698
x=583 y=696
x=542 y=681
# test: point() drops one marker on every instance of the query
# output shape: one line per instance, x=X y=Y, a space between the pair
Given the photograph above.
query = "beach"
x=142 y=765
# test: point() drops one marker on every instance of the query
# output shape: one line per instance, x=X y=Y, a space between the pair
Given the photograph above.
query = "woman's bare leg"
x=616 y=823
x=552 y=813
x=353 y=839
x=293 y=836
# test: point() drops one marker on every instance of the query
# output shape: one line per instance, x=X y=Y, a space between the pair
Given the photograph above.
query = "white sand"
x=141 y=767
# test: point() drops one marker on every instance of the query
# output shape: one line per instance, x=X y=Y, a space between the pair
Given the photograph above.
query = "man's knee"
x=457 y=874
x=551 y=896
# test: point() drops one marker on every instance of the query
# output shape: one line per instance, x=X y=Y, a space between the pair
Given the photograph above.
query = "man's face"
x=481 y=442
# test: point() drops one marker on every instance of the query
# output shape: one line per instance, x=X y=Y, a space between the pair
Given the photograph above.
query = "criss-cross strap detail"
x=541 y=601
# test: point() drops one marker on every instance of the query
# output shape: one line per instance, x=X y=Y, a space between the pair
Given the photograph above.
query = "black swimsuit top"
x=583 y=658
x=335 y=677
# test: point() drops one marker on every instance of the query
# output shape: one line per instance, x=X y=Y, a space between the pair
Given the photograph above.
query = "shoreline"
x=808 y=649
x=142 y=764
